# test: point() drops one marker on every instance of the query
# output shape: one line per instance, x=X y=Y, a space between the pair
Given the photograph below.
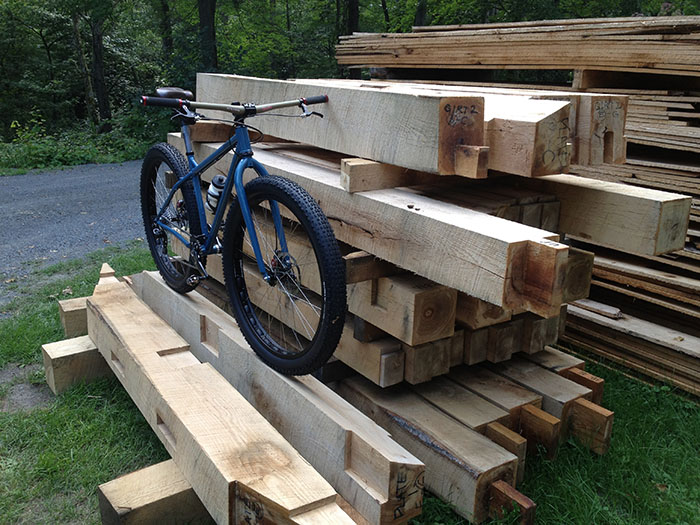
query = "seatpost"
x=189 y=150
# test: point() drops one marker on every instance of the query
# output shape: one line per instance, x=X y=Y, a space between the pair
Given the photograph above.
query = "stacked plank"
x=229 y=461
x=471 y=429
x=663 y=152
x=645 y=316
x=663 y=353
x=656 y=332
x=422 y=303
x=660 y=45
x=381 y=481
x=663 y=145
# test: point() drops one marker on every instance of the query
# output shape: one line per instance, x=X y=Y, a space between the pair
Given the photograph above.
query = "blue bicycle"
x=282 y=267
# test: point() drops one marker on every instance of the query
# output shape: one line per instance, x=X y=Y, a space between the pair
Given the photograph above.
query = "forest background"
x=71 y=71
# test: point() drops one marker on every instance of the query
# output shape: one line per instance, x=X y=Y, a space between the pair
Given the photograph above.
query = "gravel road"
x=57 y=215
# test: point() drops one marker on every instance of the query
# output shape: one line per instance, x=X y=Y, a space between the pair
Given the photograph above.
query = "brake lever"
x=187 y=114
x=307 y=113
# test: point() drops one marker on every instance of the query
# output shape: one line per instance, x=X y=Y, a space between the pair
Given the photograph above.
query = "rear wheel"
x=294 y=321
x=162 y=167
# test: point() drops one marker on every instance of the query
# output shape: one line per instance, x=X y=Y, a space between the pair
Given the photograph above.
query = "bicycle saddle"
x=174 y=92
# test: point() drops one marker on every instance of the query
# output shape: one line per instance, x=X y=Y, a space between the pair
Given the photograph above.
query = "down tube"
x=245 y=163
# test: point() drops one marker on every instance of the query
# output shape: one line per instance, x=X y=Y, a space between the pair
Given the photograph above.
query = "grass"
x=651 y=474
x=51 y=460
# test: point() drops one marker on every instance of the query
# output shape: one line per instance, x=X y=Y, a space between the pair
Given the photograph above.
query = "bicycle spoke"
x=295 y=307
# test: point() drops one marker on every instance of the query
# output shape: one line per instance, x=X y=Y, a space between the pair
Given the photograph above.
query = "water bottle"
x=214 y=192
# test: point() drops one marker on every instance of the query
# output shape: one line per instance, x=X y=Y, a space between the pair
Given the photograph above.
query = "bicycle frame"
x=242 y=160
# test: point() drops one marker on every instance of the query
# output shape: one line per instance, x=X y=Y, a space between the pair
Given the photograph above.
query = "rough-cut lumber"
x=566 y=400
x=540 y=427
x=592 y=424
x=204 y=131
x=487 y=257
x=612 y=312
x=411 y=308
x=655 y=350
x=538 y=332
x=366 y=332
x=557 y=393
x=522 y=405
x=556 y=360
x=359 y=459
x=583 y=378
x=577 y=278
x=363 y=266
x=504 y=340
x=462 y=404
x=71 y=361
x=631 y=360
x=476 y=413
x=512 y=442
x=476 y=344
x=595 y=126
x=460 y=464
x=635 y=220
x=502 y=499
x=522 y=333
x=107 y=275
x=381 y=360
x=237 y=463
x=662 y=45
x=155 y=494
x=73 y=316
x=634 y=274
x=683 y=344
x=457 y=347
x=398 y=128
x=525 y=135
x=496 y=389
x=423 y=362
x=476 y=313
x=365 y=175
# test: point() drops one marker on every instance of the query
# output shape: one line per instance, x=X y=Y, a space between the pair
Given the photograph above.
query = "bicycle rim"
x=288 y=320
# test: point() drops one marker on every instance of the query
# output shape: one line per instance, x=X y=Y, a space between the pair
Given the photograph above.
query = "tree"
x=207 y=34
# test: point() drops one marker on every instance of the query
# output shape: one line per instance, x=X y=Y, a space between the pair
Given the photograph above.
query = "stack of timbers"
x=645 y=316
x=464 y=437
x=662 y=152
x=667 y=354
x=418 y=312
x=659 y=45
x=247 y=444
x=653 y=61
x=656 y=299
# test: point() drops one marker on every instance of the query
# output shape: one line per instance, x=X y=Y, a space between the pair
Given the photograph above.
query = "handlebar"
x=243 y=110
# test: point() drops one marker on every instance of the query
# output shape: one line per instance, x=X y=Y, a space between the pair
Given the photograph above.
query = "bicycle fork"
x=245 y=163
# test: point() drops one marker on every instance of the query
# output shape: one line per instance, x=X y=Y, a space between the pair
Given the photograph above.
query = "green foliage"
x=33 y=148
x=49 y=62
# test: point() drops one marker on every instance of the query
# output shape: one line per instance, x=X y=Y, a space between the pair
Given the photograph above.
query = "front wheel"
x=295 y=320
